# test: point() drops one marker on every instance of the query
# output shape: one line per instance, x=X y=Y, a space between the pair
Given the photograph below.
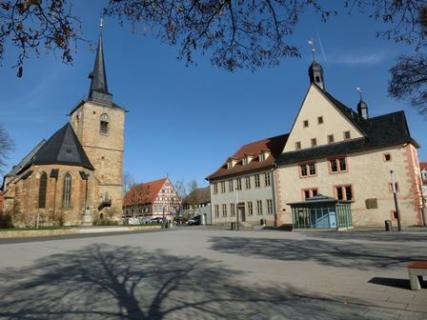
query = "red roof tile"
x=274 y=145
x=423 y=165
x=143 y=193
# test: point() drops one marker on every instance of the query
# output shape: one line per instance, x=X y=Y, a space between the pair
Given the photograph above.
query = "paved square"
x=194 y=273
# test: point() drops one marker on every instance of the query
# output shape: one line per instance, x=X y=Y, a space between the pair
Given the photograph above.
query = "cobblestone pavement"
x=194 y=273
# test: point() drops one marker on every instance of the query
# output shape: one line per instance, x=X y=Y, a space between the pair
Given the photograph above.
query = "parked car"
x=157 y=220
x=196 y=220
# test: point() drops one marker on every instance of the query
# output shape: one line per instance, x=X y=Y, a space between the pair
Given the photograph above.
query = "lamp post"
x=396 y=204
x=237 y=208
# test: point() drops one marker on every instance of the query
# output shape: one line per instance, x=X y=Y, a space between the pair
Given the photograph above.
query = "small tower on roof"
x=315 y=71
x=362 y=106
x=98 y=91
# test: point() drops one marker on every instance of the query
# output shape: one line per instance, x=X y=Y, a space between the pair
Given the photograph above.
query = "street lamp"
x=396 y=204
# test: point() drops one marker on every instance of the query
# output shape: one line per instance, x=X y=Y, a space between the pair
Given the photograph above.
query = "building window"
x=217 y=211
x=371 y=203
x=248 y=182
x=261 y=157
x=269 y=206
x=231 y=185
x=298 y=145
x=250 y=208
x=267 y=179
x=344 y=192
x=215 y=188
x=308 y=169
x=309 y=193
x=103 y=123
x=313 y=142
x=224 y=210
x=259 y=207
x=232 y=209
x=222 y=186
x=347 y=135
x=257 y=181
x=42 y=190
x=330 y=138
x=305 y=123
x=387 y=157
x=245 y=161
x=338 y=165
x=66 y=199
x=320 y=120
x=229 y=165
x=239 y=184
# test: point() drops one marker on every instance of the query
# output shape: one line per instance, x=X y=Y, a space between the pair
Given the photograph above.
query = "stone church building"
x=75 y=176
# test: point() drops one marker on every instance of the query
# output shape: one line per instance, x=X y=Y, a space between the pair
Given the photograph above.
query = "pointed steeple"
x=362 y=106
x=315 y=71
x=98 y=91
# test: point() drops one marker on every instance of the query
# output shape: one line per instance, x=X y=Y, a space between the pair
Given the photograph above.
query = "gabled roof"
x=144 y=193
x=382 y=131
x=349 y=113
x=274 y=145
x=198 y=196
x=63 y=147
x=26 y=160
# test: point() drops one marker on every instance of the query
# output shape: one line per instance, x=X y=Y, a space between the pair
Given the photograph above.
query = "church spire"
x=98 y=91
x=362 y=106
x=315 y=71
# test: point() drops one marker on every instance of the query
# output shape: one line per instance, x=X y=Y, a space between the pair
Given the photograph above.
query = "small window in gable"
x=387 y=157
x=330 y=138
x=305 y=123
x=298 y=145
x=103 y=124
x=347 y=135
x=320 y=120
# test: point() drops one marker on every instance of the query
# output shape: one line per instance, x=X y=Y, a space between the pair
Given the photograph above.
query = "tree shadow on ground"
x=337 y=254
x=391 y=282
x=370 y=236
x=113 y=282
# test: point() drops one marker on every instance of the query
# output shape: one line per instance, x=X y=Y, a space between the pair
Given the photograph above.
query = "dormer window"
x=245 y=161
x=103 y=124
x=229 y=165
x=262 y=157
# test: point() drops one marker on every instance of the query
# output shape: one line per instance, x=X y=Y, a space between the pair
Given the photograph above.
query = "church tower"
x=315 y=72
x=99 y=125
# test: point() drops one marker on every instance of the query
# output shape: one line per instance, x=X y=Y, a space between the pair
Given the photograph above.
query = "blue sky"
x=185 y=121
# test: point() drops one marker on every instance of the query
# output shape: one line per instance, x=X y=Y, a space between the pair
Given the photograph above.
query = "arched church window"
x=66 y=199
x=103 y=124
x=42 y=190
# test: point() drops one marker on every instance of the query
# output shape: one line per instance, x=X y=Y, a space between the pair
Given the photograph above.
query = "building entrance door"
x=241 y=212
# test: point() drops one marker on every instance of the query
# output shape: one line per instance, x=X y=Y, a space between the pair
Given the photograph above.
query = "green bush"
x=6 y=221
x=106 y=223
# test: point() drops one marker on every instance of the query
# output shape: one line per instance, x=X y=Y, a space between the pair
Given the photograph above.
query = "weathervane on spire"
x=313 y=48
x=358 y=89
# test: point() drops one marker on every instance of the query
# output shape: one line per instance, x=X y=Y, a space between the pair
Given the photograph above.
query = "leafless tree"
x=409 y=81
x=6 y=146
x=128 y=182
x=233 y=33
x=33 y=25
x=180 y=189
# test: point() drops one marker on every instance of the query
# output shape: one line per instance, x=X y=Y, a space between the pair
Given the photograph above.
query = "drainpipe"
x=273 y=190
